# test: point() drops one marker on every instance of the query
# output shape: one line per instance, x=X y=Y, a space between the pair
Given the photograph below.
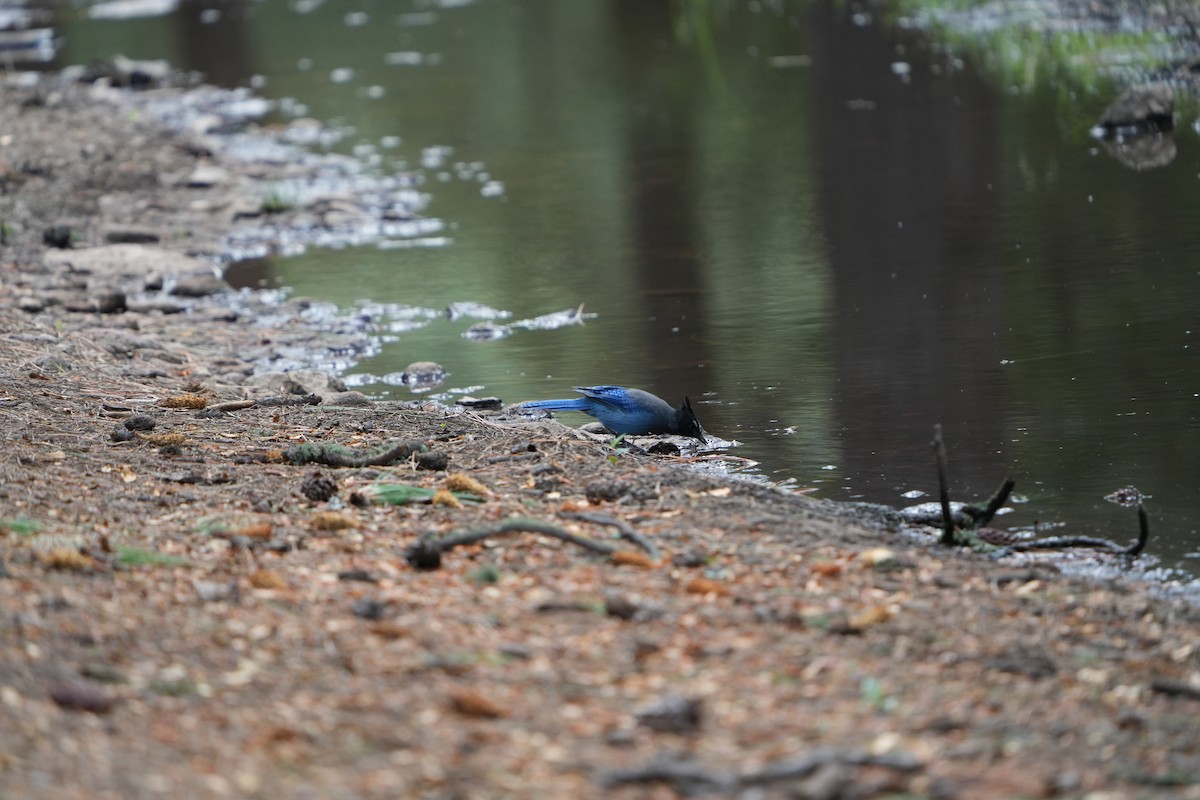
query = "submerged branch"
x=981 y=517
x=1134 y=548
x=939 y=451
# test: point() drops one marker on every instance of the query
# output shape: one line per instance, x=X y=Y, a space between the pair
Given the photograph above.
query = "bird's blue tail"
x=573 y=404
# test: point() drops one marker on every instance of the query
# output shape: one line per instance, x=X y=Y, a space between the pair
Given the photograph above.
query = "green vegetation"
x=1019 y=49
x=276 y=202
x=22 y=526
x=138 y=557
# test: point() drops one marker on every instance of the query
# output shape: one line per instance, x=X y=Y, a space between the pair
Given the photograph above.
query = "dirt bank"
x=188 y=609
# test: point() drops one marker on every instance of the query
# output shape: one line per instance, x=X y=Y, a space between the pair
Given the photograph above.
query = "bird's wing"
x=617 y=397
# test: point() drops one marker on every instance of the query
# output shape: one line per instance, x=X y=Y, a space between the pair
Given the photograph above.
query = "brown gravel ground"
x=180 y=618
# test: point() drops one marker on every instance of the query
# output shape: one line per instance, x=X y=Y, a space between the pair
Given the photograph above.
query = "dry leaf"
x=267 y=579
x=724 y=491
x=707 y=586
x=331 y=521
x=261 y=530
x=827 y=569
x=388 y=630
x=872 y=615
x=632 y=558
x=475 y=704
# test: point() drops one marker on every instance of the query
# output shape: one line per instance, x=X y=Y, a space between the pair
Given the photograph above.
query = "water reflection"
x=767 y=213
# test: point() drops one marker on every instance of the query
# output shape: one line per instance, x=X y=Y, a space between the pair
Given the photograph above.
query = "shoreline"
x=196 y=611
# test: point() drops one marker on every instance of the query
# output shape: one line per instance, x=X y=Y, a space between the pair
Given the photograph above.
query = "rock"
x=112 y=264
x=60 y=236
x=1141 y=151
x=483 y=403
x=124 y=71
x=673 y=714
x=487 y=331
x=110 y=302
x=140 y=422
x=52 y=363
x=421 y=376
x=206 y=176
x=79 y=696
x=31 y=305
x=368 y=608
x=931 y=514
x=299 y=382
x=348 y=399
x=433 y=460
x=1150 y=106
x=200 y=284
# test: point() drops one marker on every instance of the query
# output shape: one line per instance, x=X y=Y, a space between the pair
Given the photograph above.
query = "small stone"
x=77 y=696
x=31 y=305
x=433 y=460
x=619 y=606
x=140 y=422
x=673 y=714
x=60 y=236
x=206 y=176
x=121 y=434
x=601 y=491
x=214 y=591
x=368 y=608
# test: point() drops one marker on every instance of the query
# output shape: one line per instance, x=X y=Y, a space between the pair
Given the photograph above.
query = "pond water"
x=828 y=232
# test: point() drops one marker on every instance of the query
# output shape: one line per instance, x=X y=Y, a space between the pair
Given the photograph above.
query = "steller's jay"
x=629 y=411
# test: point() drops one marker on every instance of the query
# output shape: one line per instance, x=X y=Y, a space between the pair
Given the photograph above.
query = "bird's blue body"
x=628 y=411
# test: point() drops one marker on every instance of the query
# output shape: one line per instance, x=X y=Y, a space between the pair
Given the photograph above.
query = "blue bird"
x=628 y=411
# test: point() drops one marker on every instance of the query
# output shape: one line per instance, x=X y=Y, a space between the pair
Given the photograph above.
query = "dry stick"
x=690 y=777
x=939 y=450
x=426 y=552
x=624 y=528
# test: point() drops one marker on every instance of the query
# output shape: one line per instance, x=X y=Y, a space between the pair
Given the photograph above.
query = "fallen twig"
x=336 y=455
x=690 y=777
x=289 y=400
x=426 y=552
x=624 y=528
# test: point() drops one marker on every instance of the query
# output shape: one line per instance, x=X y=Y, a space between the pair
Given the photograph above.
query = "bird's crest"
x=687 y=422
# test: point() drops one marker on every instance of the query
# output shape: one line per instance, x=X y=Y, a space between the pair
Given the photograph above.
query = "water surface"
x=830 y=235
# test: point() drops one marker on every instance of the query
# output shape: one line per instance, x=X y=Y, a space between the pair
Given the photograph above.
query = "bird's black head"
x=687 y=424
